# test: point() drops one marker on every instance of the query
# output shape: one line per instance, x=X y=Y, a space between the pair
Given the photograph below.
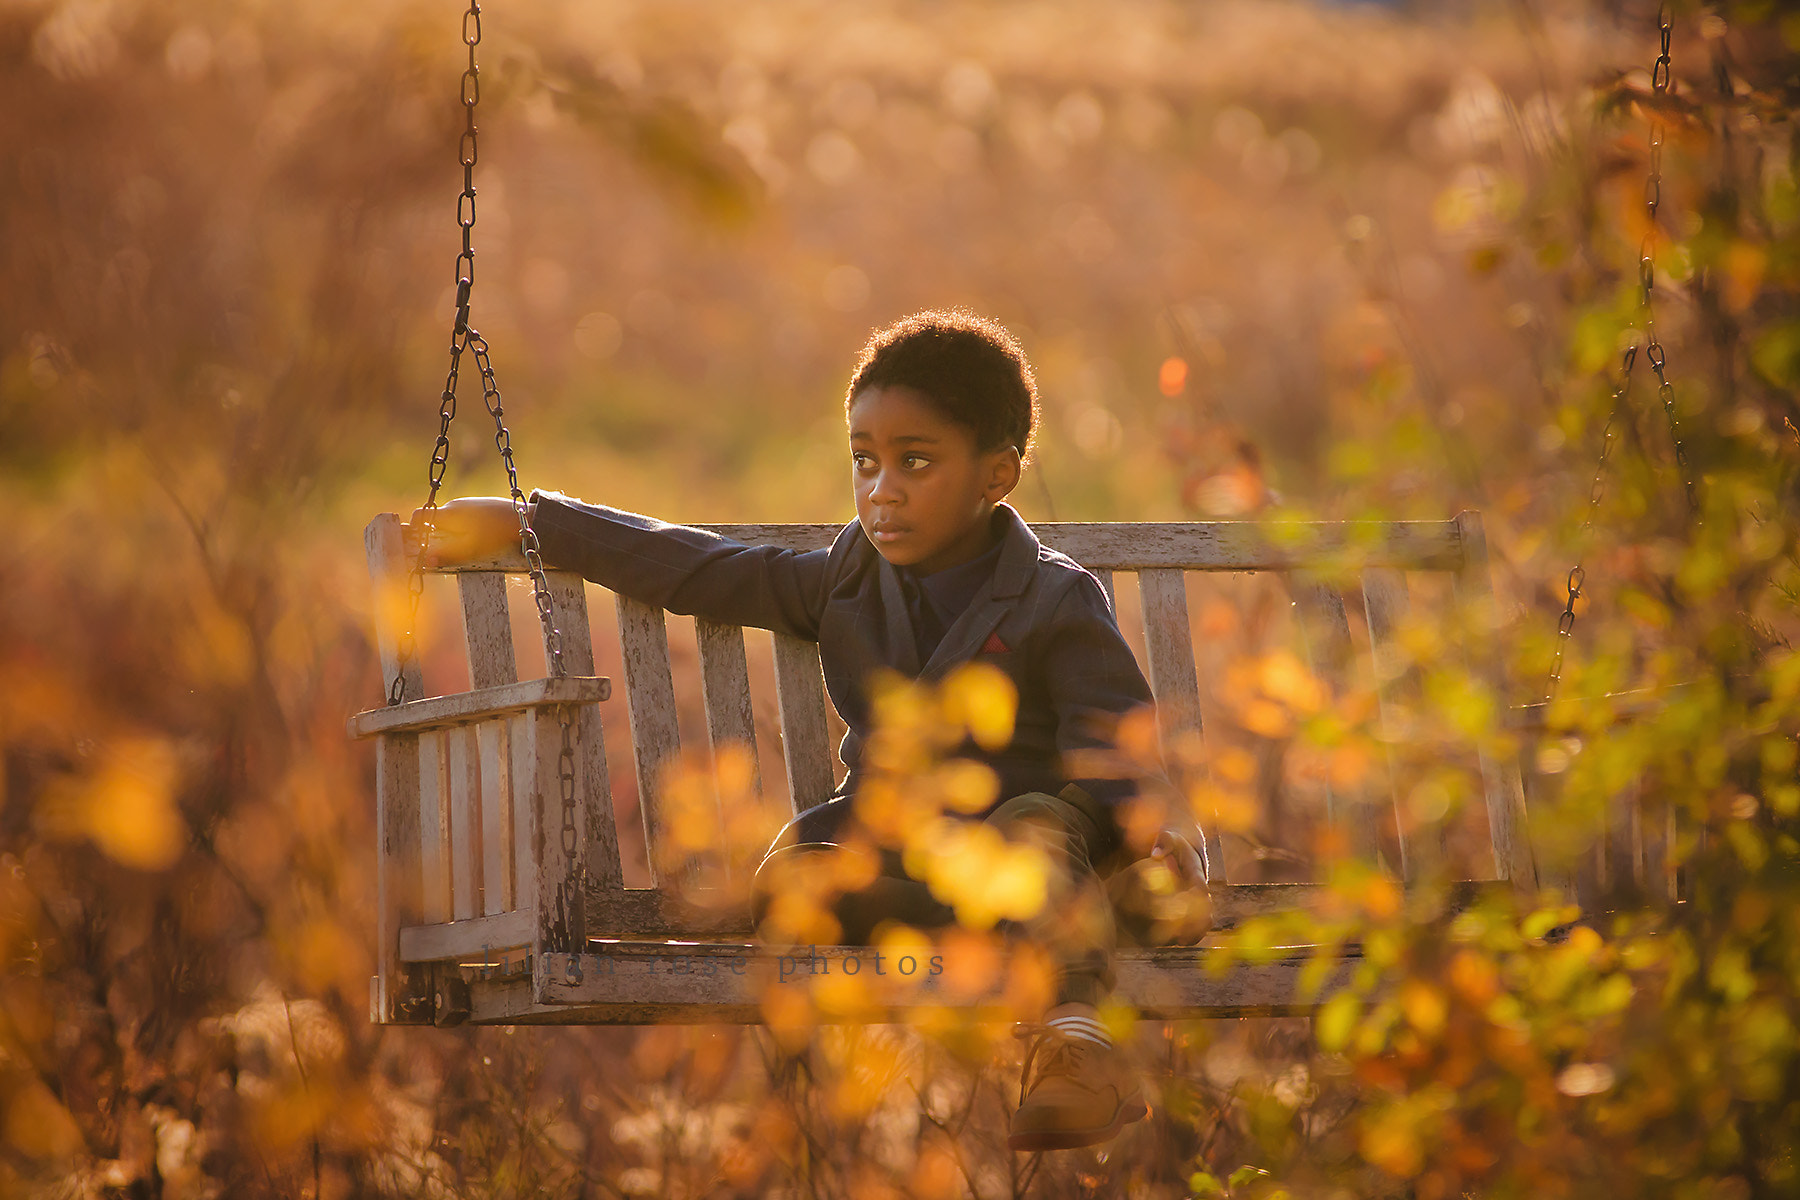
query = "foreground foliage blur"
x=1269 y=260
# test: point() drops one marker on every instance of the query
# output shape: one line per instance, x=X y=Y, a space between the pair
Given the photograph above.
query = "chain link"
x=1653 y=349
x=465 y=338
x=468 y=153
x=1660 y=77
x=1565 y=624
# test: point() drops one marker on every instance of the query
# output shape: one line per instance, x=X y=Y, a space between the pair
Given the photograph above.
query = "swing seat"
x=486 y=916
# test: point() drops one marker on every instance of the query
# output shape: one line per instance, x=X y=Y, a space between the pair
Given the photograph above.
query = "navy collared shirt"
x=1037 y=616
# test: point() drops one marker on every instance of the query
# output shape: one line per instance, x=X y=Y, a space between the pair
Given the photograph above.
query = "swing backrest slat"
x=725 y=689
x=1325 y=636
x=463 y=769
x=650 y=700
x=1169 y=647
x=487 y=629
x=1502 y=786
x=805 y=731
x=521 y=772
x=494 y=778
x=434 y=824
x=1386 y=606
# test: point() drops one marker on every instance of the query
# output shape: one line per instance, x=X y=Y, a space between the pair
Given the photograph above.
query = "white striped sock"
x=1085 y=1028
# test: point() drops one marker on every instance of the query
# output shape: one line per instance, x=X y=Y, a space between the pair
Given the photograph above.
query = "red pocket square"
x=994 y=645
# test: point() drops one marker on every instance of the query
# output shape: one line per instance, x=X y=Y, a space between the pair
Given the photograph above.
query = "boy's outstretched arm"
x=685 y=569
x=677 y=567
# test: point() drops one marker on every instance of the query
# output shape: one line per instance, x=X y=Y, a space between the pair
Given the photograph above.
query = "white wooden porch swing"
x=501 y=894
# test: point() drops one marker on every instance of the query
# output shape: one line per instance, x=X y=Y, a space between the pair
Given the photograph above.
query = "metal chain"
x=464 y=337
x=1565 y=624
x=1660 y=75
x=1660 y=79
x=468 y=152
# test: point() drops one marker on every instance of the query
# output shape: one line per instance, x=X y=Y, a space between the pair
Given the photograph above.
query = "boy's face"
x=923 y=489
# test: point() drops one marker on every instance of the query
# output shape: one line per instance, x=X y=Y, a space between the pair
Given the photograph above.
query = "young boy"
x=936 y=571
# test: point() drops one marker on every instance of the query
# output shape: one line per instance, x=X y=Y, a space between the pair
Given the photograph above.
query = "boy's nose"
x=885 y=490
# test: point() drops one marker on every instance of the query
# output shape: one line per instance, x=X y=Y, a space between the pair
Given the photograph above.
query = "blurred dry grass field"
x=1267 y=257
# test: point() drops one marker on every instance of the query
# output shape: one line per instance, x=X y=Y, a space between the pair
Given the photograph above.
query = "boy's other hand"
x=468 y=529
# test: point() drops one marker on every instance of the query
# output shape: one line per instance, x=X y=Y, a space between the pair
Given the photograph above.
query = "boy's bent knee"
x=1037 y=815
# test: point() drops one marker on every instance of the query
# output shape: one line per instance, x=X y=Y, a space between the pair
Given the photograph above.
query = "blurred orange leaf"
x=125 y=804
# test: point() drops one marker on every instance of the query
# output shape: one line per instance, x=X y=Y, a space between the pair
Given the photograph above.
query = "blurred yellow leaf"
x=1336 y=1020
x=901 y=708
x=1745 y=265
x=1350 y=764
x=1285 y=678
x=1031 y=979
x=841 y=994
x=1232 y=808
x=966 y=786
x=1390 y=1140
x=1424 y=1006
x=1017 y=890
x=1381 y=897
x=1121 y=1020
x=1236 y=764
x=1473 y=977
x=800 y=918
x=982 y=699
x=1266 y=719
x=788 y=1013
x=125 y=804
x=854 y=865
x=973 y=963
x=1137 y=734
x=883 y=807
x=978 y=872
x=896 y=941
x=734 y=766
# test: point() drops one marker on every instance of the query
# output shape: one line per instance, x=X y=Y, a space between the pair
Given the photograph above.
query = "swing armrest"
x=460 y=708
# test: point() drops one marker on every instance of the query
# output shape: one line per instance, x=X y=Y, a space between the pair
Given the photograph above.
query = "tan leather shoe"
x=1080 y=1094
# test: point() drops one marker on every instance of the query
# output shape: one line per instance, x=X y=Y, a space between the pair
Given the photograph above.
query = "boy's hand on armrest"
x=468 y=529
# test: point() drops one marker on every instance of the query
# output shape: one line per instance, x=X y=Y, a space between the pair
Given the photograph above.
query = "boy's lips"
x=889 y=533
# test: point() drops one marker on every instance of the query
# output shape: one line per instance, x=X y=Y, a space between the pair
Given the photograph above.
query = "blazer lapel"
x=1012 y=575
x=902 y=644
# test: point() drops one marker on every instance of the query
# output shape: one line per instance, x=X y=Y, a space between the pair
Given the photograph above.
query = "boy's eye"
x=862 y=461
x=914 y=461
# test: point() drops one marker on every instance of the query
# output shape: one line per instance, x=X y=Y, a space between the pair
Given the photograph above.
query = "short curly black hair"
x=969 y=366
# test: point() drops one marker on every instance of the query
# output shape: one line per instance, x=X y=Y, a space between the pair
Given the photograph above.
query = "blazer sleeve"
x=683 y=569
x=1092 y=680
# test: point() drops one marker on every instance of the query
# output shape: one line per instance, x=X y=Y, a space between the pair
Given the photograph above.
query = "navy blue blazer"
x=1041 y=618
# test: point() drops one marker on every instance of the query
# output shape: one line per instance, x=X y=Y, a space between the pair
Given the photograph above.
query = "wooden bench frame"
x=485 y=928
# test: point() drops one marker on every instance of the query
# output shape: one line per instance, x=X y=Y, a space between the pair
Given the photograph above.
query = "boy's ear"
x=1003 y=473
